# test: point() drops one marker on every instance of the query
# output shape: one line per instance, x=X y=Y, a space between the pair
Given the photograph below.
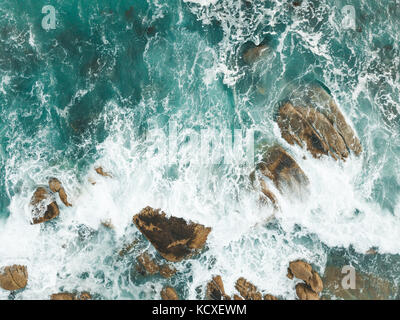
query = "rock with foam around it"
x=247 y=290
x=174 y=238
x=169 y=293
x=255 y=53
x=71 y=296
x=13 y=277
x=215 y=289
x=304 y=292
x=43 y=206
x=56 y=186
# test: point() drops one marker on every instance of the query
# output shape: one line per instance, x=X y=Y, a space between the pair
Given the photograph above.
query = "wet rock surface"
x=215 y=290
x=43 y=206
x=247 y=290
x=319 y=125
x=71 y=296
x=169 y=293
x=312 y=286
x=174 y=238
x=13 y=277
x=56 y=186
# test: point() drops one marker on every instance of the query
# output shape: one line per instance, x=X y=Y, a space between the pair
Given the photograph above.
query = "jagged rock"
x=71 y=296
x=56 y=186
x=128 y=247
x=13 y=277
x=167 y=271
x=173 y=238
x=101 y=172
x=330 y=109
x=320 y=126
x=169 y=293
x=304 y=292
x=44 y=206
x=215 y=289
x=270 y=297
x=253 y=54
x=367 y=286
x=247 y=290
x=147 y=265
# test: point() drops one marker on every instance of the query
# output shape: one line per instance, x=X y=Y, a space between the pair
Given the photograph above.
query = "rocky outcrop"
x=215 y=290
x=320 y=126
x=56 y=186
x=366 y=286
x=43 y=206
x=71 y=296
x=247 y=290
x=13 y=277
x=174 y=238
x=313 y=284
x=146 y=265
x=278 y=166
x=169 y=293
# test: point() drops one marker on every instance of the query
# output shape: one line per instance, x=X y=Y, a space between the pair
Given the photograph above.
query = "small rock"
x=169 y=293
x=71 y=296
x=128 y=247
x=270 y=297
x=147 y=264
x=236 y=297
x=174 y=238
x=56 y=186
x=13 y=277
x=167 y=271
x=101 y=172
x=301 y=270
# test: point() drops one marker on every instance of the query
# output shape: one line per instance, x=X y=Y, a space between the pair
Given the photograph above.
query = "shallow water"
x=103 y=89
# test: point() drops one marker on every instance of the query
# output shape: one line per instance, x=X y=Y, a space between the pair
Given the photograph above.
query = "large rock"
x=13 y=277
x=174 y=238
x=43 y=206
x=320 y=126
x=247 y=290
x=367 y=286
x=215 y=289
x=56 y=186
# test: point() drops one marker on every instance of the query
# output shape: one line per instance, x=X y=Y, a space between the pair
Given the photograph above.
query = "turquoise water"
x=89 y=92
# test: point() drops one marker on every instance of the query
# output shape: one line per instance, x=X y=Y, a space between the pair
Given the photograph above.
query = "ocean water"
x=104 y=86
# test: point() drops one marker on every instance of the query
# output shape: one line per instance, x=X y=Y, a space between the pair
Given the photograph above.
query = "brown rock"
x=63 y=296
x=295 y=129
x=290 y=274
x=236 y=297
x=301 y=270
x=101 y=172
x=335 y=116
x=128 y=247
x=56 y=186
x=253 y=54
x=167 y=271
x=85 y=296
x=147 y=264
x=44 y=206
x=270 y=297
x=315 y=282
x=304 y=292
x=173 y=238
x=247 y=290
x=215 y=290
x=169 y=293
x=282 y=169
x=13 y=277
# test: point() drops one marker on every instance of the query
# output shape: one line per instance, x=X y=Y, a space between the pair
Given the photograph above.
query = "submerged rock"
x=366 y=286
x=169 y=293
x=13 y=277
x=167 y=271
x=44 y=206
x=247 y=290
x=215 y=290
x=147 y=265
x=254 y=54
x=56 y=186
x=174 y=238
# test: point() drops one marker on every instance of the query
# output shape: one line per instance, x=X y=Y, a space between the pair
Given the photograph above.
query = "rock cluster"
x=148 y=266
x=313 y=284
x=174 y=238
x=43 y=203
x=13 y=277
